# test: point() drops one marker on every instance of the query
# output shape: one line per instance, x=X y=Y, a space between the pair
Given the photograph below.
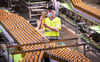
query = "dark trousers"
x=46 y=59
x=53 y=39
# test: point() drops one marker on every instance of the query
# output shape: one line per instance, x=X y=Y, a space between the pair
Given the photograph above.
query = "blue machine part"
x=10 y=39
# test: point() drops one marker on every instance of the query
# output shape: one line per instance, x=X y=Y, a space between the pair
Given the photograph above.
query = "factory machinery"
x=20 y=32
x=85 y=20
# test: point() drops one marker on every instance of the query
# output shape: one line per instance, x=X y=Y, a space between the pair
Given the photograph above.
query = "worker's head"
x=3 y=47
x=51 y=11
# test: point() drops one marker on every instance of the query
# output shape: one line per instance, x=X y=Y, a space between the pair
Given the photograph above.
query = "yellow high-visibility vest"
x=56 y=22
x=17 y=57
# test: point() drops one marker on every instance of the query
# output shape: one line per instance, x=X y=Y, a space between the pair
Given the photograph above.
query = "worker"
x=18 y=57
x=52 y=24
x=2 y=48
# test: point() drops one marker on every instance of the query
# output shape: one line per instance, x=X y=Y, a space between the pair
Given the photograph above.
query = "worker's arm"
x=52 y=28
x=57 y=28
x=40 y=25
x=45 y=25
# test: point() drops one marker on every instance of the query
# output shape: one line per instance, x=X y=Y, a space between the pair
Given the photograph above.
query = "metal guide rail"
x=57 y=51
x=25 y=33
x=84 y=26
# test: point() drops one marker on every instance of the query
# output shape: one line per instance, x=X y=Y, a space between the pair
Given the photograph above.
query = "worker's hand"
x=41 y=18
x=56 y=29
x=45 y=25
x=39 y=26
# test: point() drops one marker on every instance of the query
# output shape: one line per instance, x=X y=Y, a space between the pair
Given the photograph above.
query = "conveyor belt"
x=25 y=33
x=86 y=8
x=67 y=55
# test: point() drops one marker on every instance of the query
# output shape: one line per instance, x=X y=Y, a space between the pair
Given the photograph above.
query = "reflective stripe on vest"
x=53 y=37
x=48 y=30
x=58 y=25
